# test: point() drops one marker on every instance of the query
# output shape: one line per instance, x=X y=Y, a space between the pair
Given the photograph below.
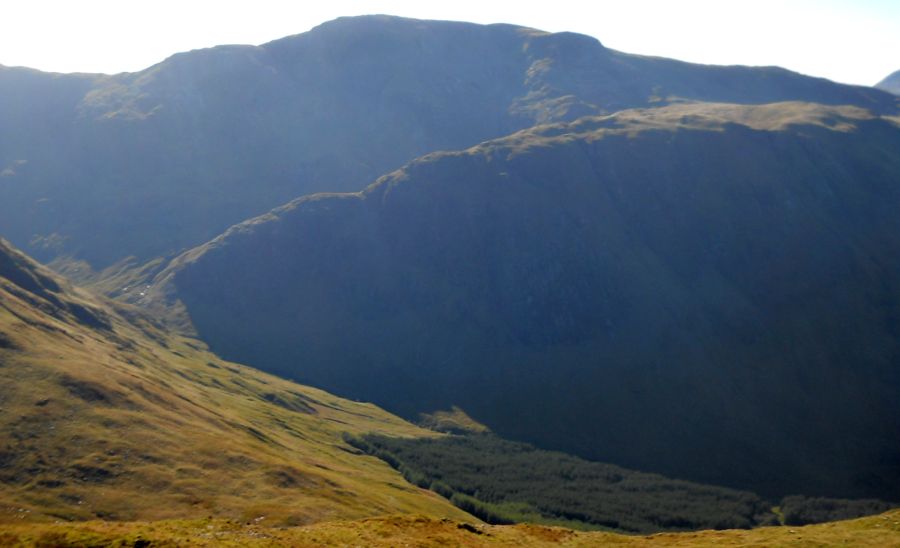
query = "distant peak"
x=382 y=22
x=385 y=19
x=374 y=18
x=574 y=39
x=891 y=83
x=373 y=21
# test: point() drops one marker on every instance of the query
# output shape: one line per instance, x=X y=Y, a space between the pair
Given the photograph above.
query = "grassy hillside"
x=704 y=291
x=878 y=531
x=99 y=168
x=106 y=415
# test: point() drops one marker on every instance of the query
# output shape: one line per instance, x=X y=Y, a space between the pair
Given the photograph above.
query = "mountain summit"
x=91 y=165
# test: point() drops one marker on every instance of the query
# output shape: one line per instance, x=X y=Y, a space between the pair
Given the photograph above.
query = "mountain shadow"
x=707 y=291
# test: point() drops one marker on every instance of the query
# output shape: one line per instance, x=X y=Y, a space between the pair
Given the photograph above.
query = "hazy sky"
x=844 y=40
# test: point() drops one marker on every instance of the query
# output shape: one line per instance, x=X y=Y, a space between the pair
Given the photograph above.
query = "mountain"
x=891 y=83
x=109 y=415
x=708 y=291
x=98 y=168
x=106 y=414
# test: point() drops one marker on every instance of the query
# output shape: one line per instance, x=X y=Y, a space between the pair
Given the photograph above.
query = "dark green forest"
x=504 y=482
x=799 y=510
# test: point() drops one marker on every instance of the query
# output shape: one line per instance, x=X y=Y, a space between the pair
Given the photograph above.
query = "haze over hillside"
x=891 y=83
x=707 y=291
x=104 y=167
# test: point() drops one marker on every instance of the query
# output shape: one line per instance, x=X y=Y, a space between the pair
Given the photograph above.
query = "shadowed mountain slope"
x=103 y=167
x=107 y=415
x=706 y=291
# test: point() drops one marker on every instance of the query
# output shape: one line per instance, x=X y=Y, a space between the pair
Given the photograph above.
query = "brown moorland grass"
x=881 y=531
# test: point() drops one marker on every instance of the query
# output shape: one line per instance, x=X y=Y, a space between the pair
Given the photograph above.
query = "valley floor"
x=405 y=530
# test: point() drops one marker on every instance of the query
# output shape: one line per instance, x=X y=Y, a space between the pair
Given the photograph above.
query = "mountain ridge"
x=208 y=138
x=702 y=281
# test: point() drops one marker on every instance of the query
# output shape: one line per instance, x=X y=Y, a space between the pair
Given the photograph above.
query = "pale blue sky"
x=848 y=41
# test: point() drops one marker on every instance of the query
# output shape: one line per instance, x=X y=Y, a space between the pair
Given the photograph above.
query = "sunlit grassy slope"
x=104 y=414
x=882 y=531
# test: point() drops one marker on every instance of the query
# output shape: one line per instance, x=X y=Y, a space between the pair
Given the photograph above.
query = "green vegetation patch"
x=799 y=510
x=454 y=421
x=503 y=482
